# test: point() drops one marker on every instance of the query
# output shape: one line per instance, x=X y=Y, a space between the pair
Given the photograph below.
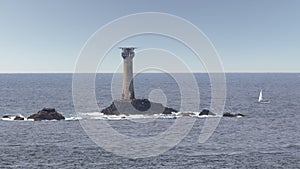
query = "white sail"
x=260 y=98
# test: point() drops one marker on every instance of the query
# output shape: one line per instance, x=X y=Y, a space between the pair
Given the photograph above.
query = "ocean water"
x=267 y=137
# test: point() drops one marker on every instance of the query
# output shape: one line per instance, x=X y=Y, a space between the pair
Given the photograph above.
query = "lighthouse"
x=129 y=104
x=128 y=88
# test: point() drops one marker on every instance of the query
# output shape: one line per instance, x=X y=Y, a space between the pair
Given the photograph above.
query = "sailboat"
x=260 y=98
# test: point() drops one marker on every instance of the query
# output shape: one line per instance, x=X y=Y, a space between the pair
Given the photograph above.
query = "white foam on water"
x=10 y=118
x=73 y=118
x=101 y=116
x=91 y=114
x=209 y=116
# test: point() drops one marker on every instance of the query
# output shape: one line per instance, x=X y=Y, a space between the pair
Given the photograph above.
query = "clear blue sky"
x=250 y=36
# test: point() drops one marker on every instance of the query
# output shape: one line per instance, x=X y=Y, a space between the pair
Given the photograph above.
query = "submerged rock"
x=136 y=106
x=232 y=115
x=206 y=112
x=46 y=114
x=188 y=114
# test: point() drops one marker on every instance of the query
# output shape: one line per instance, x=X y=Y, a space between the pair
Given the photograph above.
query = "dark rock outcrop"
x=206 y=112
x=110 y=110
x=13 y=117
x=46 y=114
x=169 y=110
x=6 y=116
x=136 y=106
x=232 y=115
x=141 y=104
x=19 y=118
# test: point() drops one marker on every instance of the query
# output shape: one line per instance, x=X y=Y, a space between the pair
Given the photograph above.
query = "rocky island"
x=46 y=114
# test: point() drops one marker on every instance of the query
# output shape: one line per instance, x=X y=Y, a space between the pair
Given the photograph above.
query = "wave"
x=12 y=118
x=101 y=116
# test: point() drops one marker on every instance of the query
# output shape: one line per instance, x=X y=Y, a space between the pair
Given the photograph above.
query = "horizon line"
x=134 y=73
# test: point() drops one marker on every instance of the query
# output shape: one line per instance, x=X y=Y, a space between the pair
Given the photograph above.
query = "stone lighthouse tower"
x=128 y=89
x=129 y=104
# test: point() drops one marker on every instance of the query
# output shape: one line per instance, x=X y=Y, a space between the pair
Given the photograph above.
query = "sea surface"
x=267 y=137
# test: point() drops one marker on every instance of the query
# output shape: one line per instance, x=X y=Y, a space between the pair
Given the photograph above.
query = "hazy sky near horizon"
x=250 y=36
